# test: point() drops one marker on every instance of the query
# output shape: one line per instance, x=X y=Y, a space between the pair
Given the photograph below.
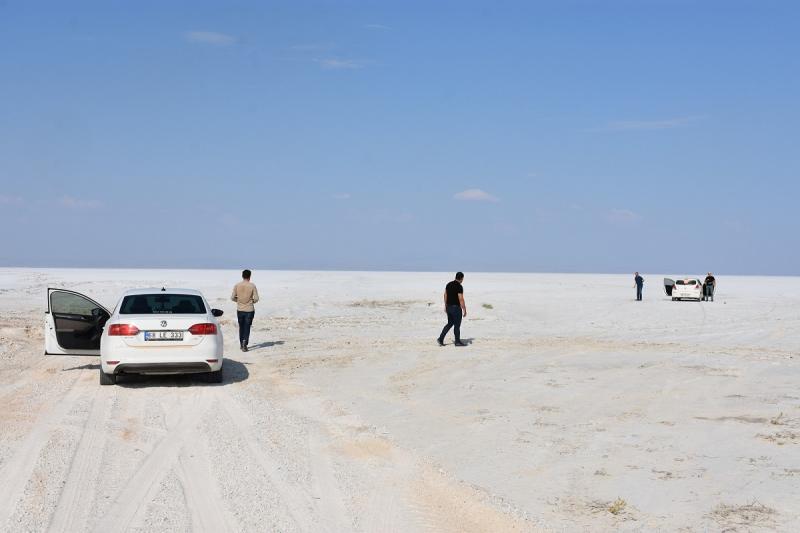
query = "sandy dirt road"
x=572 y=409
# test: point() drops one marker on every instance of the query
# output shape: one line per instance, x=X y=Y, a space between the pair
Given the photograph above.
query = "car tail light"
x=203 y=329
x=122 y=330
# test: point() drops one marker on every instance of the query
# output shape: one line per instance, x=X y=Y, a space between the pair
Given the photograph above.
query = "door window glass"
x=78 y=321
x=71 y=304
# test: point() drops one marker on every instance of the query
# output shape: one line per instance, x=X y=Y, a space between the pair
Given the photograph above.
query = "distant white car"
x=684 y=289
x=150 y=331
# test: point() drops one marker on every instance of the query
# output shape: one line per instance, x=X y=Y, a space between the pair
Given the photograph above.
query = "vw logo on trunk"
x=163 y=323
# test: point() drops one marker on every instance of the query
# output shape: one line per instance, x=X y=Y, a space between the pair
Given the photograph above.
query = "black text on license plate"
x=163 y=335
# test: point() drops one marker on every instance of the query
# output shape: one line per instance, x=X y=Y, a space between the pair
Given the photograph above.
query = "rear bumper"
x=163 y=364
x=693 y=296
x=205 y=357
x=161 y=368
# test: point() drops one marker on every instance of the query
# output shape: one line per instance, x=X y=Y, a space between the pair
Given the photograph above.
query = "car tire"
x=107 y=379
x=674 y=299
x=214 y=377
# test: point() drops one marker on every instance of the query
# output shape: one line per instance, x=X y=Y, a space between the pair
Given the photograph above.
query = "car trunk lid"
x=163 y=330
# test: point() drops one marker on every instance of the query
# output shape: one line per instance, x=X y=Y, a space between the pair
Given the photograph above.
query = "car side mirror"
x=216 y=312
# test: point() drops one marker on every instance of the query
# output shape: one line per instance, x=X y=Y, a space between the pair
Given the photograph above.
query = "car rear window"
x=162 y=304
x=686 y=282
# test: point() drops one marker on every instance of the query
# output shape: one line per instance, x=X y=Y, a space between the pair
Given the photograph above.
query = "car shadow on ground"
x=268 y=344
x=233 y=371
x=94 y=366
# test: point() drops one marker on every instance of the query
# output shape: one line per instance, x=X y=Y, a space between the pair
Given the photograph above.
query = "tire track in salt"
x=387 y=508
x=18 y=470
x=199 y=486
x=298 y=504
x=383 y=512
x=71 y=512
x=132 y=500
x=333 y=514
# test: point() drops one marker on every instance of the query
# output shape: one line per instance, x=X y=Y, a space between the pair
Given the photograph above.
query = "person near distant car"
x=638 y=283
x=245 y=294
x=455 y=308
x=709 y=285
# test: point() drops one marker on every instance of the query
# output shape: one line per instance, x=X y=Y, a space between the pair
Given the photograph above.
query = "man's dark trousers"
x=245 y=321
x=639 y=293
x=453 y=321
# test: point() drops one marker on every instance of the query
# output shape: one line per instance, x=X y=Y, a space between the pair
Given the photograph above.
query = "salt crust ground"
x=573 y=409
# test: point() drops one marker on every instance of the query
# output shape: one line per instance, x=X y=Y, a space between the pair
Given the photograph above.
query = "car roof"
x=161 y=290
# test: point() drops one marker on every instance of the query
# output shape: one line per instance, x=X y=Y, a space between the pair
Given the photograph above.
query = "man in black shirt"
x=455 y=308
x=709 y=285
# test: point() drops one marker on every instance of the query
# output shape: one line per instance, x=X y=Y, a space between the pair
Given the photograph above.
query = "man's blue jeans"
x=638 y=292
x=245 y=321
x=453 y=321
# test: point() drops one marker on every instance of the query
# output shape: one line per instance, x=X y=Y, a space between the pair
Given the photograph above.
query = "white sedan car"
x=150 y=331
x=684 y=289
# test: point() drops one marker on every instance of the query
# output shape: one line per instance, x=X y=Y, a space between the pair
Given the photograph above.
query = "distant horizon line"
x=388 y=271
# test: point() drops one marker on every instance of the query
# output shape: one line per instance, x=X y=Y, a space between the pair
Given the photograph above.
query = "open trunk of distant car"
x=668 y=286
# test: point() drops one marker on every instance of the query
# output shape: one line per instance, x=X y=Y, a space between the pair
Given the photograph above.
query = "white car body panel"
x=194 y=353
x=133 y=354
x=51 y=344
x=688 y=288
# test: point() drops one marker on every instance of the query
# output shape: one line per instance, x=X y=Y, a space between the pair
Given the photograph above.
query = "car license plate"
x=163 y=335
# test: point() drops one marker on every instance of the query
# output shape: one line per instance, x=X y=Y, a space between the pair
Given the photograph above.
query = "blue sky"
x=562 y=136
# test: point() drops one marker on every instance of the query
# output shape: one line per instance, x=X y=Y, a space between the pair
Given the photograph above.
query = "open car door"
x=73 y=323
x=668 y=286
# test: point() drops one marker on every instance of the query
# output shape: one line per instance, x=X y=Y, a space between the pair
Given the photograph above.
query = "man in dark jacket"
x=639 y=283
x=455 y=308
x=709 y=285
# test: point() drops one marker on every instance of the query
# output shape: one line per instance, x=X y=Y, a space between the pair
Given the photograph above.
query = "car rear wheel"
x=214 y=377
x=107 y=379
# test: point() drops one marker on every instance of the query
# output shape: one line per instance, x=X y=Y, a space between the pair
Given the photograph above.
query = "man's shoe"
x=440 y=341
x=459 y=343
x=244 y=347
